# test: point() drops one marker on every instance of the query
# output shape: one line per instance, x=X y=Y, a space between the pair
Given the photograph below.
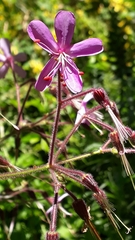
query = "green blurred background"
x=113 y=21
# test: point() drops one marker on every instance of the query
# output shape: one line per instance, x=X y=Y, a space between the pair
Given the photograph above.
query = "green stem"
x=24 y=172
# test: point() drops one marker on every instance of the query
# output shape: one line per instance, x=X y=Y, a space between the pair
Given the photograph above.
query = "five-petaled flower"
x=8 y=60
x=62 y=52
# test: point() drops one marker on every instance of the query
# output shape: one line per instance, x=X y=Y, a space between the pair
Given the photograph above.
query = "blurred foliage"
x=113 y=21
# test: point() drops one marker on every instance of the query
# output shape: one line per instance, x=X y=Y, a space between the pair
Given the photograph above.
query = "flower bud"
x=101 y=97
x=52 y=236
x=4 y=162
x=81 y=209
x=89 y=182
x=116 y=142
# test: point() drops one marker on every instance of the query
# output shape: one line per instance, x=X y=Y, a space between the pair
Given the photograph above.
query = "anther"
x=37 y=40
x=81 y=73
x=64 y=84
x=47 y=78
x=61 y=77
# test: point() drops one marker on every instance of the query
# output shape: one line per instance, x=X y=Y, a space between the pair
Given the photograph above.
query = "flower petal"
x=71 y=77
x=64 y=26
x=20 y=57
x=80 y=113
x=91 y=46
x=37 y=30
x=3 y=70
x=5 y=46
x=50 y=69
x=2 y=58
x=21 y=73
x=87 y=97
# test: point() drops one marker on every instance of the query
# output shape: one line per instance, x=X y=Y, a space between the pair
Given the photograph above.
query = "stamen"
x=128 y=229
x=47 y=78
x=64 y=84
x=36 y=40
x=63 y=57
x=9 y=122
x=128 y=169
x=81 y=73
x=61 y=77
x=114 y=222
x=123 y=133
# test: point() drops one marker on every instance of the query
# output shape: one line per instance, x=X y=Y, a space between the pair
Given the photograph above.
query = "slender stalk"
x=78 y=95
x=93 y=230
x=24 y=172
x=43 y=118
x=67 y=138
x=17 y=93
x=71 y=173
x=55 y=203
x=56 y=122
x=102 y=124
x=69 y=192
x=25 y=99
x=80 y=157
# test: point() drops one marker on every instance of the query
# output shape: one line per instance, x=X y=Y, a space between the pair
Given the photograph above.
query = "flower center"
x=62 y=59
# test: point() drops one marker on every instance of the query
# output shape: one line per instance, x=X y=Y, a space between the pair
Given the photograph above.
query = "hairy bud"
x=89 y=182
x=52 y=236
x=101 y=97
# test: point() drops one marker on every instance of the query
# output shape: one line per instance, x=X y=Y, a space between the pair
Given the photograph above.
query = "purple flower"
x=62 y=52
x=9 y=60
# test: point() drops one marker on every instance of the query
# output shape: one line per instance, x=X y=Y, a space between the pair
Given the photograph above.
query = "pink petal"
x=5 y=46
x=37 y=30
x=64 y=26
x=71 y=77
x=80 y=113
x=20 y=57
x=87 y=97
x=91 y=46
x=2 y=58
x=21 y=73
x=50 y=69
x=3 y=70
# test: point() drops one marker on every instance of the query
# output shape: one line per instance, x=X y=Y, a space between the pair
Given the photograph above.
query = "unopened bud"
x=81 y=209
x=89 y=182
x=116 y=142
x=101 y=97
x=52 y=236
x=4 y=162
